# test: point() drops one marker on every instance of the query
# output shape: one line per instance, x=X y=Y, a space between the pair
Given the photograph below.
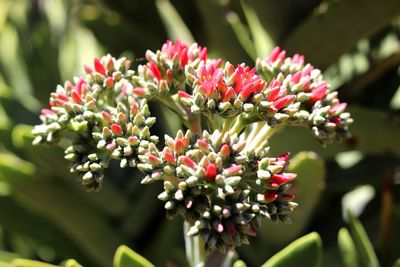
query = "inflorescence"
x=221 y=180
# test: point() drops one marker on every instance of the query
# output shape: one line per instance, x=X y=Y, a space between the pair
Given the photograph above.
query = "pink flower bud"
x=47 y=112
x=188 y=162
x=106 y=116
x=233 y=170
x=203 y=54
x=227 y=95
x=139 y=91
x=318 y=93
x=111 y=146
x=283 y=102
x=219 y=227
x=337 y=109
x=296 y=77
x=79 y=85
x=183 y=58
x=76 y=97
x=133 y=140
x=109 y=82
x=134 y=108
x=87 y=69
x=169 y=158
x=154 y=70
x=274 y=55
x=99 y=67
x=179 y=146
x=183 y=94
x=282 y=56
x=284 y=157
x=154 y=160
x=225 y=151
x=307 y=70
x=202 y=144
x=283 y=178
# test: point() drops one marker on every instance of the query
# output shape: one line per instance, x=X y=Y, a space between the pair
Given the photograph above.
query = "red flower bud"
x=211 y=172
x=283 y=102
x=270 y=197
x=99 y=67
x=116 y=129
x=283 y=178
x=231 y=229
x=154 y=70
x=76 y=97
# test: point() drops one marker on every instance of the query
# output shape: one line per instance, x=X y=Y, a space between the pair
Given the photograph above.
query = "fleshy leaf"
x=125 y=257
x=363 y=244
x=347 y=248
x=30 y=263
x=305 y=251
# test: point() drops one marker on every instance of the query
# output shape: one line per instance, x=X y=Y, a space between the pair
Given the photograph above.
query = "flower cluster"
x=222 y=181
x=317 y=106
x=100 y=117
x=221 y=189
x=164 y=74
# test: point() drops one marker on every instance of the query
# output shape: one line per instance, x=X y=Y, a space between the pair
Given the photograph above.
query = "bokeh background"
x=46 y=214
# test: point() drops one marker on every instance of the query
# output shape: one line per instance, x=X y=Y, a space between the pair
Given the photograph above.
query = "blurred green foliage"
x=46 y=216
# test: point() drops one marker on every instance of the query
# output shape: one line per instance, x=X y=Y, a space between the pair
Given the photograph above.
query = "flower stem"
x=194 y=245
x=262 y=137
x=238 y=125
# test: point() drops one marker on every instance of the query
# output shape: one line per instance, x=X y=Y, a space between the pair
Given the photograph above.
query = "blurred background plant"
x=46 y=215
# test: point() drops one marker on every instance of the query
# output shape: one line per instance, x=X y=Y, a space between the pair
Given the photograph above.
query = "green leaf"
x=364 y=247
x=73 y=55
x=308 y=185
x=15 y=69
x=5 y=264
x=125 y=257
x=305 y=251
x=371 y=129
x=322 y=29
x=64 y=207
x=30 y=263
x=7 y=256
x=239 y=263
x=71 y=263
x=214 y=22
x=397 y=263
x=347 y=248
x=242 y=33
x=174 y=24
x=17 y=218
x=263 y=42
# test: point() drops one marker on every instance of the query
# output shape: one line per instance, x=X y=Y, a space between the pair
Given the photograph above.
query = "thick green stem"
x=194 y=123
x=238 y=125
x=194 y=245
x=261 y=138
